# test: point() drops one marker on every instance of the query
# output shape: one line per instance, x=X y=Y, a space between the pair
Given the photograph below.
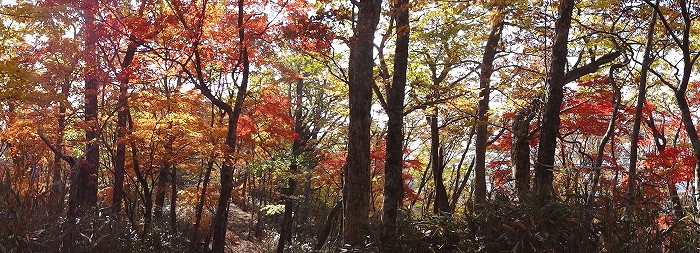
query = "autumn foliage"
x=223 y=126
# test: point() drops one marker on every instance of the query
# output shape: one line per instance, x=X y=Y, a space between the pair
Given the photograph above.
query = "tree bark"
x=489 y=56
x=520 y=149
x=393 y=165
x=356 y=183
x=287 y=218
x=598 y=163
x=57 y=182
x=680 y=91
x=544 y=166
x=86 y=180
x=441 y=203
x=638 y=114
x=161 y=188
x=200 y=207
x=122 y=116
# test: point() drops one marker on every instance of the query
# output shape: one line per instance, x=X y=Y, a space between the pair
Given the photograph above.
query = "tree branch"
x=591 y=67
x=70 y=160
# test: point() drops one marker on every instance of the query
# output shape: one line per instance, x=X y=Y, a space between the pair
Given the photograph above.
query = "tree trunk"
x=200 y=207
x=86 y=181
x=141 y=179
x=638 y=114
x=441 y=203
x=520 y=150
x=483 y=108
x=660 y=142
x=226 y=178
x=427 y=173
x=161 y=187
x=460 y=185
x=173 y=201
x=287 y=219
x=393 y=166
x=122 y=116
x=680 y=92
x=692 y=135
x=57 y=183
x=608 y=135
x=544 y=175
x=328 y=226
x=356 y=183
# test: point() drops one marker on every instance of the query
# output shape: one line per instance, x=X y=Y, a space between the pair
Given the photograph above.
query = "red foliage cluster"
x=329 y=171
x=501 y=172
x=677 y=163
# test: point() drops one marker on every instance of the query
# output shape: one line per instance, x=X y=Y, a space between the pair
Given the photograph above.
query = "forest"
x=349 y=126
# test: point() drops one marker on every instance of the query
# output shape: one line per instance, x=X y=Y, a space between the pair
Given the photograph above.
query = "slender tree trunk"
x=638 y=114
x=142 y=182
x=423 y=180
x=57 y=184
x=328 y=226
x=393 y=165
x=460 y=185
x=71 y=233
x=226 y=178
x=678 y=211
x=441 y=203
x=660 y=141
x=684 y=44
x=200 y=207
x=544 y=174
x=483 y=108
x=690 y=129
x=287 y=218
x=122 y=116
x=356 y=183
x=173 y=201
x=608 y=135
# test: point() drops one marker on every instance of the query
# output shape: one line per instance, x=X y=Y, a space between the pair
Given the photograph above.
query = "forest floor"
x=240 y=234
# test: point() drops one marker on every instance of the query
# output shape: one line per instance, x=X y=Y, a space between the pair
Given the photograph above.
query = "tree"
x=544 y=166
x=441 y=203
x=557 y=77
x=122 y=117
x=393 y=166
x=681 y=39
x=297 y=149
x=85 y=183
x=638 y=115
x=490 y=50
x=356 y=182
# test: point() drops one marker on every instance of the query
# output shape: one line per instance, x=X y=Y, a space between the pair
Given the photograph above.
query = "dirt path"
x=240 y=225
